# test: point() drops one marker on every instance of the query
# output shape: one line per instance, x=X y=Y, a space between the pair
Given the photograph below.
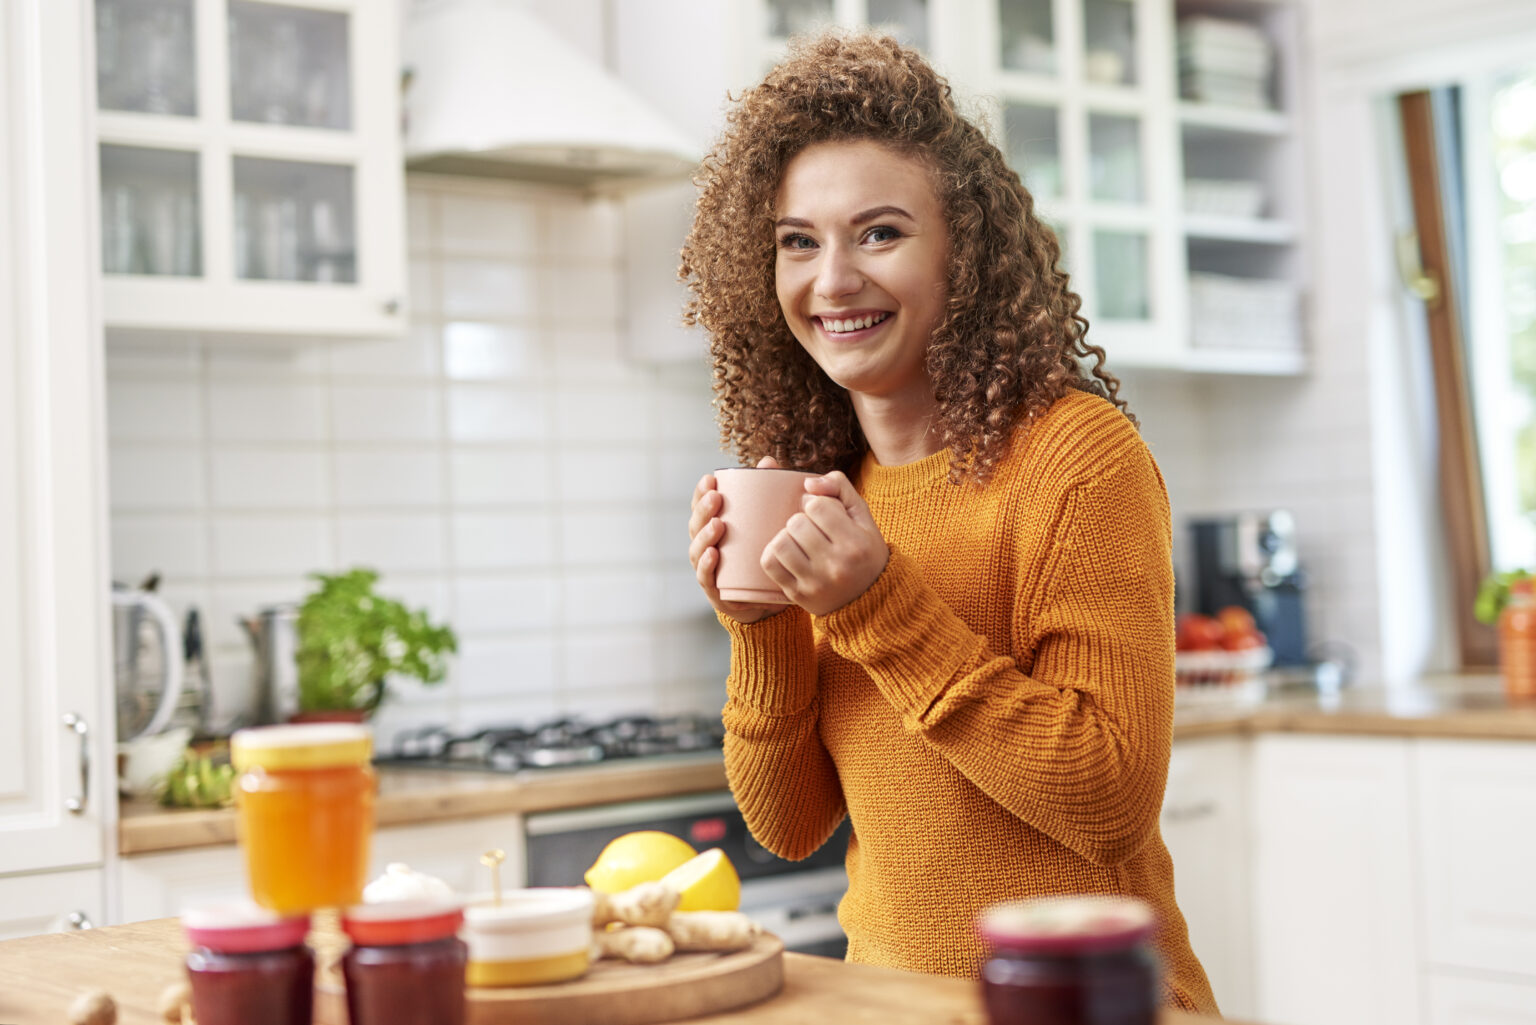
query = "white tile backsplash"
x=492 y=476
x=489 y=352
x=256 y=546
x=391 y=478
x=387 y=413
x=269 y=479
x=392 y=542
x=472 y=224
x=156 y=477
x=514 y=540
x=492 y=605
x=412 y=356
x=266 y=413
x=484 y=413
x=166 y=410
x=476 y=289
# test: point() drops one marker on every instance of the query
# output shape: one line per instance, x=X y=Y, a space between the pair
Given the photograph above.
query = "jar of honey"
x=248 y=966
x=304 y=804
x=1078 y=960
x=406 y=964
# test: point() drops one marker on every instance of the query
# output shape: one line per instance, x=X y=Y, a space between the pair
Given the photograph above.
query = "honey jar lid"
x=1063 y=926
x=242 y=928
x=394 y=923
x=320 y=745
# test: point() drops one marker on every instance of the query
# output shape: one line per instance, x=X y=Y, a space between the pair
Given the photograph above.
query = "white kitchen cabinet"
x=159 y=885
x=1205 y=825
x=250 y=165
x=1471 y=1000
x=1476 y=834
x=1335 y=898
x=56 y=802
x=51 y=902
x=1176 y=218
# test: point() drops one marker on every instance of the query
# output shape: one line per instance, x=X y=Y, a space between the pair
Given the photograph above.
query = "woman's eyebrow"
x=873 y=213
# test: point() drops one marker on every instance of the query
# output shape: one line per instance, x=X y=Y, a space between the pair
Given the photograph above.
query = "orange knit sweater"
x=994 y=713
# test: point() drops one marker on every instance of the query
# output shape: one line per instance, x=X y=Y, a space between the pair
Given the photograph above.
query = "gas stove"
x=554 y=744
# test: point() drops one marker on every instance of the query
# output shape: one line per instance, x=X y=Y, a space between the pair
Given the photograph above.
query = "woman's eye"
x=882 y=234
x=796 y=242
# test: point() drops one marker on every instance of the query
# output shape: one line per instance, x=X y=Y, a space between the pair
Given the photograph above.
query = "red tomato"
x=1198 y=633
x=1242 y=640
x=1236 y=620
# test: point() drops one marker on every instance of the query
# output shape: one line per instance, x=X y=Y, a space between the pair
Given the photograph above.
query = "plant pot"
x=357 y=715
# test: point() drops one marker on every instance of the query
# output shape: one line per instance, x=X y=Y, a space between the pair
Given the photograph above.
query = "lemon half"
x=708 y=883
x=636 y=858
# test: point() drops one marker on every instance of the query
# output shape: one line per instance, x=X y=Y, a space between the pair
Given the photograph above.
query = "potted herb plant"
x=351 y=640
x=1493 y=595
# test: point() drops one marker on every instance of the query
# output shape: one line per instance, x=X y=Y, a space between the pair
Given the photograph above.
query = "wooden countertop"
x=1460 y=707
x=409 y=796
x=41 y=975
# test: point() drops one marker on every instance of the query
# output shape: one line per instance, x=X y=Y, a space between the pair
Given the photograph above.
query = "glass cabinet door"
x=1109 y=42
x=788 y=18
x=1114 y=158
x=907 y=20
x=289 y=66
x=150 y=221
x=1034 y=148
x=1027 y=36
x=1121 y=275
x=146 y=57
x=293 y=221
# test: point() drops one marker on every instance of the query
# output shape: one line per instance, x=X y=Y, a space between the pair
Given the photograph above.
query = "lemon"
x=635 y=858
x=708 y=883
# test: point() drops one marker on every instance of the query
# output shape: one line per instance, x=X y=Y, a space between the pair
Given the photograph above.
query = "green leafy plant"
x=1493 y=595
x=351 y=640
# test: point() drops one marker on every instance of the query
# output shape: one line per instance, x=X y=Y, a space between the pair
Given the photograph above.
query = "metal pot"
x=147 y=653
x=274 y=634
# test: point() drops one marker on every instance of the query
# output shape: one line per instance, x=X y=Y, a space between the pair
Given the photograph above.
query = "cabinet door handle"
x=79 y=920
x=1189 y=812
x=76 y=804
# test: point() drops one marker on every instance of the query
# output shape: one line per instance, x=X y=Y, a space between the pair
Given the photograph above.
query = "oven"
x=794 y=900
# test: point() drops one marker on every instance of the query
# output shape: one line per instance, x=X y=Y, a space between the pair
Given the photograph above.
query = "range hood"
x=492 y=92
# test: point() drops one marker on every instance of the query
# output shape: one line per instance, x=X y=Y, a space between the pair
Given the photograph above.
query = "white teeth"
x=854 y=323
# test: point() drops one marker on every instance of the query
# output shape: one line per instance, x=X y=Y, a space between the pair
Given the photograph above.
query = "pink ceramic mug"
x=756 y=503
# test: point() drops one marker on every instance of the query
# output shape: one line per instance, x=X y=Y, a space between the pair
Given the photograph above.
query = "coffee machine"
x=1249 y=559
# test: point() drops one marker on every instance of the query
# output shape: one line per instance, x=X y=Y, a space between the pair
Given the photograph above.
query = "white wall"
x=502 y=464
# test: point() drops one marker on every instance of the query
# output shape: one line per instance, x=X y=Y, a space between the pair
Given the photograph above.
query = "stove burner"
x=558 y=742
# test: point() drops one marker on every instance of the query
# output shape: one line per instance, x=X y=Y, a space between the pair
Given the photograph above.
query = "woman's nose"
x=838 y=275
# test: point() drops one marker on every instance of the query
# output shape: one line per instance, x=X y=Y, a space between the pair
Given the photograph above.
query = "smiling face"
x=862 y=266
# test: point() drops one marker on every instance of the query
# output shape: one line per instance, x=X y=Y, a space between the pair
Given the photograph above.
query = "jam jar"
x=304 y=804
x=1075 y=960
x=248 y=966
x=406 y=964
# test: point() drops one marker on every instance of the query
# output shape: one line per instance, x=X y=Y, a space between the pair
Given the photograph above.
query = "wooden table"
x=41 y=975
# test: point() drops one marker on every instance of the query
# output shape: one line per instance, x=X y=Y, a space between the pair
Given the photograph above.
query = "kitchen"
x=512 y=449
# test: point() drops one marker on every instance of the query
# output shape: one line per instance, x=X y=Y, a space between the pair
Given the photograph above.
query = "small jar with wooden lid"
x=1074 y=960
x=304 y=803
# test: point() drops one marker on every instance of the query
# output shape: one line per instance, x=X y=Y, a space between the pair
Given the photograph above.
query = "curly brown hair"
x=1011 y=337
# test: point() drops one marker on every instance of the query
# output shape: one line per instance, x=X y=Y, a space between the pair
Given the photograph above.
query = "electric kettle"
x=147 y=663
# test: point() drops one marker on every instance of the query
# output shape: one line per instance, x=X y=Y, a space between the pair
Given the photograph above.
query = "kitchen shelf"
x=1260 y=231
x=1213 y=118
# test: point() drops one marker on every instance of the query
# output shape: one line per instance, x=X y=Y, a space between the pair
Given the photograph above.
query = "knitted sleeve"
x=780 y=772
x=1073 y=734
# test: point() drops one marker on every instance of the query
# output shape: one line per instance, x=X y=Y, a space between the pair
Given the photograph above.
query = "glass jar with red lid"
x=249 y=966
x=406 y=964
x=1075 y=960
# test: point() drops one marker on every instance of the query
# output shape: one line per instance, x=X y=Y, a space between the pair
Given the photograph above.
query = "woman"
x=978 y=665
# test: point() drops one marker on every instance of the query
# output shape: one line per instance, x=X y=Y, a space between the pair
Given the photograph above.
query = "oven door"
x=794 y=900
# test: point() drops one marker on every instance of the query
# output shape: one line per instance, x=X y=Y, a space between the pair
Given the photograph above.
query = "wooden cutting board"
x=616 y=992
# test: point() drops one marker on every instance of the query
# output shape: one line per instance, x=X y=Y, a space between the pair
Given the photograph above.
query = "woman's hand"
x=705 y=530
x=831 y=551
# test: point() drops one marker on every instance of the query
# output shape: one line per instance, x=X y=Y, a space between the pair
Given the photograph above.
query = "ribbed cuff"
x=903 y=635
x=773 y=662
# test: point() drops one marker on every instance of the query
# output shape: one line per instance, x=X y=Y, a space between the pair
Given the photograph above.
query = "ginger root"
x=93 y=1007
x=175 y=1001
x=648 y=904
x=637 y=944
x=712 y=930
